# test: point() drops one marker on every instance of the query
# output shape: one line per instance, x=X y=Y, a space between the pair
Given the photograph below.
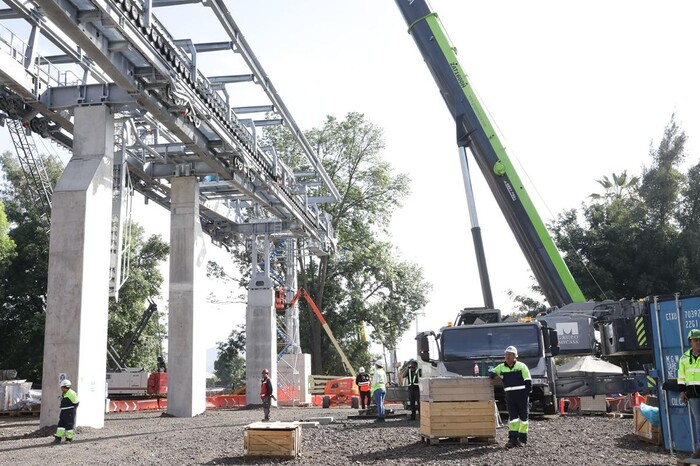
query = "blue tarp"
x=650 y=413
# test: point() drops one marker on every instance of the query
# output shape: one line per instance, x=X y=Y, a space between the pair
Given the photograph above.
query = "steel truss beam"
x=156 y=82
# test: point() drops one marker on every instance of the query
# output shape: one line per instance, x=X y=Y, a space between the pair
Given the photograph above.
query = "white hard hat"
x=379 y=363
x=512 y=349
x=65 y=383
x=362 y=369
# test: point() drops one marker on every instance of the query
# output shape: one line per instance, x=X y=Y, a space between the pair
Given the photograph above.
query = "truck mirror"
x=553 y=341
x=423 y=348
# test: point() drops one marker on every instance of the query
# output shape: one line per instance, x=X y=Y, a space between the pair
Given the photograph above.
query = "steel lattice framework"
x=176 y=119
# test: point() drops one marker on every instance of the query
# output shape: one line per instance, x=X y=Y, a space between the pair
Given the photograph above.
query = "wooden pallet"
x=457 y=440
x=687 y=461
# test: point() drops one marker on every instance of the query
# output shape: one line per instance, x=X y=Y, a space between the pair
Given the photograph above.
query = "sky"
x=577 y=90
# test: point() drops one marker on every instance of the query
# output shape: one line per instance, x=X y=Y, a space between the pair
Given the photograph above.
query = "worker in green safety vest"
x=66 y=419
x=689 y=384
x=517 y=384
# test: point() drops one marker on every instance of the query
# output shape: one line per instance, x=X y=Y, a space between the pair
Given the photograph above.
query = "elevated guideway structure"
x=186 y=148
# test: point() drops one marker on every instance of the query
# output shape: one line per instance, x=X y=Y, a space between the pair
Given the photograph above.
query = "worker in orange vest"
x=362 y=381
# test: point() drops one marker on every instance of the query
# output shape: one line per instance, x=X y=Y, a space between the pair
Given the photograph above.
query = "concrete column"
x=261 y=340
x=75 y=340
x=186 y=348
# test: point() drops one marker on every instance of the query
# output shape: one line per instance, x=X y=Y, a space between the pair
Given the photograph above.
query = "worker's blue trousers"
x=379 y=395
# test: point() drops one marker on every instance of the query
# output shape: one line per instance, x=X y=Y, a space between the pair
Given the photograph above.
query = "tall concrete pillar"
x=186 y=348
x=261 y=342
x=75 y=340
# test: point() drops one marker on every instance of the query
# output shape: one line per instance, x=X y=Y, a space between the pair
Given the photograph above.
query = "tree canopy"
x=365 y=283
x=641 y=236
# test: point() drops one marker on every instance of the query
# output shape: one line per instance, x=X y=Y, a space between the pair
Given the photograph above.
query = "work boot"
x=69 y=440
x=413 y=417
x=56 y=440
x=512 y=443
x=522 y=439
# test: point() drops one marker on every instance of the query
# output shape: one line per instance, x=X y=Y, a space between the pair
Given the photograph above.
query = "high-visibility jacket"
x=689 y=374
x=378 y=379
x=514 y=378
x=412 y=376
x=362 y=381
x=69 y=401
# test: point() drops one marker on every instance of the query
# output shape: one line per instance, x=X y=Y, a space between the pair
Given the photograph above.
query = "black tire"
x=548 y=406
x=326 y=401
x=355 y=402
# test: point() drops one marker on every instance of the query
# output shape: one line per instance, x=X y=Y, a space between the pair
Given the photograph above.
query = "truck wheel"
x=548 y=406
x=326 y=401
x=355 y=402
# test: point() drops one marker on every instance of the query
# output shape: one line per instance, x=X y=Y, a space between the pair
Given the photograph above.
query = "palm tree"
x=622 y=186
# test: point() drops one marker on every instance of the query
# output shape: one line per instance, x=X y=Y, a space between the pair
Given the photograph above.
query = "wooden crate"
x=456 y=389
x=281 y=439
x=644 y=430
x=458 y=419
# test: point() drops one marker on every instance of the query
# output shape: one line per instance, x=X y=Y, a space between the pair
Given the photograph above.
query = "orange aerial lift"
x=324 y=324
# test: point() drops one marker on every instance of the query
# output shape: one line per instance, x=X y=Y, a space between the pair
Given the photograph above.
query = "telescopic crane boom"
x=475 y=131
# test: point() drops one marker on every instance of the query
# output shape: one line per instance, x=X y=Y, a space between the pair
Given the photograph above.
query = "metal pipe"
x=476 y=231
x=662 y=373
x=681 y=341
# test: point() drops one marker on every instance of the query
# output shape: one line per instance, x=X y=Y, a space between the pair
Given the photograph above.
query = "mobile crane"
x=623 y=325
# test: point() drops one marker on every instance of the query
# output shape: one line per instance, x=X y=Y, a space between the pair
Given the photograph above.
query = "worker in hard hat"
x=66 y=418
x=412 y=374
x=379 y=389
x=689 y=383
x=517 y=384
x=266 y=394
x=362 y=381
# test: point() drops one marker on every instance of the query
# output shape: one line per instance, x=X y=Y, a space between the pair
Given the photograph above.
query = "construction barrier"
x=119 y=406
x=619 y=403
x=212 y=402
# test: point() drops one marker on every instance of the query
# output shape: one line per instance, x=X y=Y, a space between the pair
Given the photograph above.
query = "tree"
x=24 y=276
x=364 y=281
x=229 y=366
x=631 y=246
x=620 y=187
x=144 y=282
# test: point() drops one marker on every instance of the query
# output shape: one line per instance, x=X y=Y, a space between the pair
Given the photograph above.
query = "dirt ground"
x=216 y=438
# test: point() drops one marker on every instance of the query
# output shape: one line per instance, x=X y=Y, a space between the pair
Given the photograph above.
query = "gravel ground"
x=216 y=438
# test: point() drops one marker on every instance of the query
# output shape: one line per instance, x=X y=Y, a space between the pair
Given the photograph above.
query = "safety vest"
x=265 y=388
x=513 y=377
x=362 y=381
x=378 y=379
x=69 y=400
x=689 y=372
x=412 y=377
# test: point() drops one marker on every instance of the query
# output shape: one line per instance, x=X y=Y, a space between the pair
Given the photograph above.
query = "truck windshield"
x=480 y=342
